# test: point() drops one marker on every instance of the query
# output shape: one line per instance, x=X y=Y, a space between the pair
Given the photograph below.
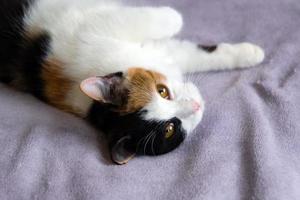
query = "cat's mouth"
x=190 y=122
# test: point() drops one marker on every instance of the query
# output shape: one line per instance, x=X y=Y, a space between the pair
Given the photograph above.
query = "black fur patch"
x=30 y=62
x=116 y=126
x=208 y=49
x=20 y=57
x=11 y=28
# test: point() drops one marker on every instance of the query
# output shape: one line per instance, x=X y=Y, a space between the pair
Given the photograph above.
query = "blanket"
x=246 y=147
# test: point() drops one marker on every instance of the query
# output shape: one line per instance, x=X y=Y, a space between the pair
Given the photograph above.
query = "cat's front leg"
x=191 y=57
x=224 y=56
x=137 y=24
x=240 y=55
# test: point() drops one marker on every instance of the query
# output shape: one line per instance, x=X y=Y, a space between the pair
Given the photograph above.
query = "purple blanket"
x=247 y=146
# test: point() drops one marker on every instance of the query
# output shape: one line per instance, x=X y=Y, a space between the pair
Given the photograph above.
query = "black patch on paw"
x=208 y=49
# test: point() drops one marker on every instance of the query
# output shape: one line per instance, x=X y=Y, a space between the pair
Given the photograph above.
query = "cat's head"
x=144 y=112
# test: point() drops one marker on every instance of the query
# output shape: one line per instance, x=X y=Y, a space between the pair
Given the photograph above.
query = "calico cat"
x=118 y=66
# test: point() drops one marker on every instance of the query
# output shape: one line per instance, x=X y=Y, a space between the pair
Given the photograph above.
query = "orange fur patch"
x=56 y=85
x=142 y=86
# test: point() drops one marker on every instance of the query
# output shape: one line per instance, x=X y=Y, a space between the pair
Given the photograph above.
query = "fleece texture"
x=246 y=147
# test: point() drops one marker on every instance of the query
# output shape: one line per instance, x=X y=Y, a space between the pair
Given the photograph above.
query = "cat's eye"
x=163 y=91
x=169 y=131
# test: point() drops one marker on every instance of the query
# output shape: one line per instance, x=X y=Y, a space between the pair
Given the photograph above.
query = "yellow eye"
x=170 y=129
x=163 y=91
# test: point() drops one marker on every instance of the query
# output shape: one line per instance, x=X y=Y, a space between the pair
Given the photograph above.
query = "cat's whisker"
x=145 y=138
x=160 y=125
x=148 y=139
x=152 y=147
x=139 y=142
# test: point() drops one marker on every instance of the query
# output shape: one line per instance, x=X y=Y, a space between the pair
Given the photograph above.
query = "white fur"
x=98 y=37
x=181 y=105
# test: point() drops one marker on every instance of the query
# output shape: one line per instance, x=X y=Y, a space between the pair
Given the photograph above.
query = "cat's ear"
x=106 y=89
x=119 y=153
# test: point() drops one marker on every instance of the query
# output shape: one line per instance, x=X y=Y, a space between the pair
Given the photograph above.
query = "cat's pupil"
x=162 y=91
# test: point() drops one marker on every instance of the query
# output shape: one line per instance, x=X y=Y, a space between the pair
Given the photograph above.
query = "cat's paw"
x=248 y=54
x=169 y=21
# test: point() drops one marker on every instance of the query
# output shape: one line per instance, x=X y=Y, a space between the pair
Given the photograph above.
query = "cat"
x=120 y=67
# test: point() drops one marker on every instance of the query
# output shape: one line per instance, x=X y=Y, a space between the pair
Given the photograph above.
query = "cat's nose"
x=196 y=106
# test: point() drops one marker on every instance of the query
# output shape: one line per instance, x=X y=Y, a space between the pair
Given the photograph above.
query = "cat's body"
x=60 y=43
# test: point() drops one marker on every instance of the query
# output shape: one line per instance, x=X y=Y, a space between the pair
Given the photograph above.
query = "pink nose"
x=196 y=106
